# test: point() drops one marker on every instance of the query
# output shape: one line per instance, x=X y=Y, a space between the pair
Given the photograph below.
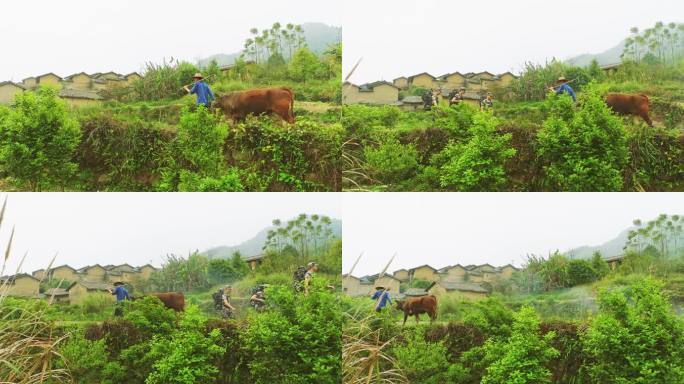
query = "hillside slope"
x=254 y=246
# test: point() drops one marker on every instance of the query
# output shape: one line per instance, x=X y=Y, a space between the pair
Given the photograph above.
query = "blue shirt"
x=384 y=300
x=566 y=88
x=121 y=293
x=204 y=94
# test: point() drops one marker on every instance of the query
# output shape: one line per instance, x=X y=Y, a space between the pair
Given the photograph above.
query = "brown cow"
x=626 y=104
x=172 y=300
x=237 y=105
x=417 y=305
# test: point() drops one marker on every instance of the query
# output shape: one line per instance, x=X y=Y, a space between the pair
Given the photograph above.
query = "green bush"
x=390 y=161
x=522 y=357
x=583 y=150
x=86 y=360
x=97 y=303
x=478 y=164
x=425 y=362
x=188 y=355
x=636 y=337
x=580 y=272
x=38 y=140
x=309 y=329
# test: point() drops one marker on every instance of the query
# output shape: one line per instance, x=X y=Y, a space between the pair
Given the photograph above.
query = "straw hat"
x=562 y=79
x=198 y=76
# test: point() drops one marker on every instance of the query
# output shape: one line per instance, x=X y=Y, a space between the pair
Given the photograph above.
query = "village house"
x=422 y=80
x=8 y=91
x=57 y=295
x=79 y=81
x=364 y=286
x=254 y=261
x=131 y=77
x=614 y=261
x=63 y=272
x=38 y=273
x=424 y=272
x=48 y=79
x=400 y=82
x=452 y=81
x=411 y=103
x=379 y=92
x=79 y=290
x=21 y=285
x=146 y=271
x=468 y=290
x=401 y=274
x=93 y=273
x=79 y=98
x=29 y=82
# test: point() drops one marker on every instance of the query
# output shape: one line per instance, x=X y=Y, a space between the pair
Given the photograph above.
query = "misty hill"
x=610 y=56
x=318 y=37
x=608 y=249
x=613 y=247
x=254 y=245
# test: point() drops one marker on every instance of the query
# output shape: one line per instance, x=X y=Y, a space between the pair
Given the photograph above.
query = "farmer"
x=563 y=87
x=202 y=90
x=381 y=302
x=121 y=295
x=311 y=268
x=486 y=103
x=225 y=300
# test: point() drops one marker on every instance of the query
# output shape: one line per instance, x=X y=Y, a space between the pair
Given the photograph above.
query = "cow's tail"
x=290 y=111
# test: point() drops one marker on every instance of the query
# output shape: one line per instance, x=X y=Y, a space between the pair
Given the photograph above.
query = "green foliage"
x=149 y=316
x=635 y=338
x=226 y=270
x=582 y=150
x=198 y=153
x=523 y=356
x=165 y=80
x=308 y=329
x=187 y=356
x=580 y=272
x=38 y=140
x=425 y=362
x=96 y=303
x=85 y=359
x=490 y=316
x=601 y=268
x=179 y=273
x=305 y=65
x=390 y=161
x=478 y=164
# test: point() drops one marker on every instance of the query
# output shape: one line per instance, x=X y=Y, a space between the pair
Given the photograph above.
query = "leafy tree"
x=522 y=357
x=580 y=272
x=599 y=265
x=305 y=66
x=636 y=337
x=584 y=150
x=38 y=140
x=478 y=164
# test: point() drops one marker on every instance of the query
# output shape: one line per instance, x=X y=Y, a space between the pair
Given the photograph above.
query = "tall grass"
x=28 y=342
x=364 y=356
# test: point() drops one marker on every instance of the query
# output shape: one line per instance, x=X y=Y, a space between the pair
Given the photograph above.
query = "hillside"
x=318 y=37
x=610 y=56
x=254 y=245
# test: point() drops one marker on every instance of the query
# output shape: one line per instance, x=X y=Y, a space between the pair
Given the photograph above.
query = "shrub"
x=580 y=272
x=425 y=362
x=85 y=359
x=584 y=150
x=392 y=162
x=149 y=316
x=187 y=356
x=635 y=338
x=520 y=359
x=38 y=140
x=96 y=303
x=600 y=266
x=310 y=328
x=478 y=164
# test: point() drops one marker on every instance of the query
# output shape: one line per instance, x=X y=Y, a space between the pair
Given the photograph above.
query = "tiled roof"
x=467 y=287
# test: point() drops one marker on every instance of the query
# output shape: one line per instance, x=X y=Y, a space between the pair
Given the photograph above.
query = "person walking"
x=121 y=294
x=562 y=86
x=202 y=90
x=382 y=298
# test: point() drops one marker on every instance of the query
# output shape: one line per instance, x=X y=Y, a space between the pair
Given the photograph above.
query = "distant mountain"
x=613 y=247
x=318 y=37
x=254 y=245
x=608 y=249
x=610 y=56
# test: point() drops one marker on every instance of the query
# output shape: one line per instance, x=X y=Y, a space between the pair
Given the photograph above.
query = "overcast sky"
x=443 y=229
x=406 y=37
x=69 y=36
x=140 y=228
